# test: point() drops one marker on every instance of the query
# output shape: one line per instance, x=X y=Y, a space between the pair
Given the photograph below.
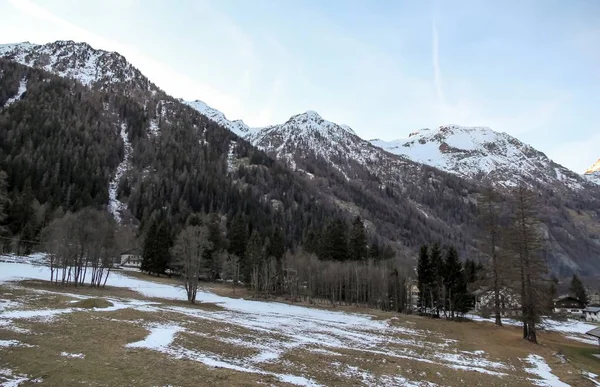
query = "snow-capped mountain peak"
x=481 y=153
x=66 y=58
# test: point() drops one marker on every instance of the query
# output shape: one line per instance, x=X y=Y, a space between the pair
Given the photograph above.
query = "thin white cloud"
x=437 y=71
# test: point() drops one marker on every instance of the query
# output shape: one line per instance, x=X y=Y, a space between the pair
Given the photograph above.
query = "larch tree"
x=188 y=253
x=528 y=262
x=489 y=216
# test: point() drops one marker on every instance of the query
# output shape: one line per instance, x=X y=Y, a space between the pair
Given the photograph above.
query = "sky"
x=385 y=68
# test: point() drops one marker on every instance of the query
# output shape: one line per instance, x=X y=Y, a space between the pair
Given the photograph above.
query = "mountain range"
x=409 y=191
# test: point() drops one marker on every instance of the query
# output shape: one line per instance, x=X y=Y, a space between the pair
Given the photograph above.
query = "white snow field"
x=346 y=348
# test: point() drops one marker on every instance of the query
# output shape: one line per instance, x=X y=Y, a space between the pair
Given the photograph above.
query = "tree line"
x=346 y=270
x=442 y=280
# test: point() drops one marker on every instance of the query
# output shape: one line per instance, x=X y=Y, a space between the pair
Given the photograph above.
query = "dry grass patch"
x=147 y=277
x=205 y=343
x=85 y=290
x=107 y=361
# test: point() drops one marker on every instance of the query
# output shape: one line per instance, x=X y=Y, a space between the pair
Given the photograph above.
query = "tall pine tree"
x=424 y=278
x=437 y=277
x=578 y=290
x=358 y=241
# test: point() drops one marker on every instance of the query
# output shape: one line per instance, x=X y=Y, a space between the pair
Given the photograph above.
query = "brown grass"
x=107 y=361
x=91 y=303
x=102 y=335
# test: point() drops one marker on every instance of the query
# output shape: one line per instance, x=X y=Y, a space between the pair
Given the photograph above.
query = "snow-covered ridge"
x=480 y=152
x=78 y=61
x=237 y=126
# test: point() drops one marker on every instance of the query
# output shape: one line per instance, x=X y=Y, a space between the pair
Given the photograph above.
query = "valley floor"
x=139 y=331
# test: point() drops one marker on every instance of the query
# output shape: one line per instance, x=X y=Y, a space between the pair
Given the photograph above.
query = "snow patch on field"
x=161 y=339
x=591 y=376
x=543 y=370
x=274 y=330
x=10 y=379
x=564 y=326
x=582 y=339
x=72 y=355
x=13 y=343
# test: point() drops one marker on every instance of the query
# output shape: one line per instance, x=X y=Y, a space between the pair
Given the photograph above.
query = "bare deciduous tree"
x=188 y=253
x=76 y=242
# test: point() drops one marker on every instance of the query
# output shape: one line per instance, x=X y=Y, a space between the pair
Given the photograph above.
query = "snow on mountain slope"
x=308 y=134
x=96 y=68
x=481 y=153
x=593 y=173
x=20 y=92
x=238 y=126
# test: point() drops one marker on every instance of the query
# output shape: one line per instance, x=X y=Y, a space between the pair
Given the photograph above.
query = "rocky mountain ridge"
x=403 y=200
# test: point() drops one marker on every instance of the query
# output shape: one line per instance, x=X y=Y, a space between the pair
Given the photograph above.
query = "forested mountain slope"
x=102 y=134
x=441 y=205
x=62 y=142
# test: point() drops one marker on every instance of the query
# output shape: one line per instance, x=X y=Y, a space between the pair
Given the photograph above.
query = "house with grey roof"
x=592 y=313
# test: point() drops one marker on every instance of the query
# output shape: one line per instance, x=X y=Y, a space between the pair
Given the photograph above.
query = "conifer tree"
x=437 y=277
x=578 y=290
x=424 y=275
x=454 y=280
x=156 y=251
x=238 y=236
x=334 y=243
x=150 y=250
x=358 y=241
x=215 y=237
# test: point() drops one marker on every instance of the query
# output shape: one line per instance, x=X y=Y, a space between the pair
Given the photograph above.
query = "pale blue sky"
x=386 y=68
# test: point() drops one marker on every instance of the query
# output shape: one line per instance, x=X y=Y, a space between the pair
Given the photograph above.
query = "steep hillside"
x=479 y=153
x=99 y=133
x=411 y=201
x=99 y=69
x=65 y=146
